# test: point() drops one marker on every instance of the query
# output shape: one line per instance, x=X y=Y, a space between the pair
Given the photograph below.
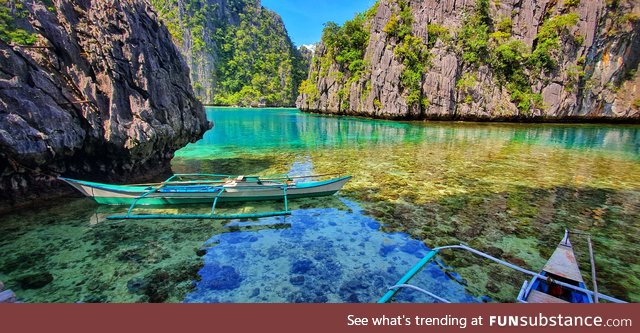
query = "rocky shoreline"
x=481 y=119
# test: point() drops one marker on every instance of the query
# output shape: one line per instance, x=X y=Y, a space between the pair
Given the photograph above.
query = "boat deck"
x=540 y=297
x=563 y=263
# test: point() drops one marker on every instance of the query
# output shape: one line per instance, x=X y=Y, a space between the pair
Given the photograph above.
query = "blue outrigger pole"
x=408 y=276
x=403 y=282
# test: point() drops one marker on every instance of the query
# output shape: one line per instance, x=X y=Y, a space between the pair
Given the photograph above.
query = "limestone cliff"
x=509 y=59
x=99 y=92
x=239 y=52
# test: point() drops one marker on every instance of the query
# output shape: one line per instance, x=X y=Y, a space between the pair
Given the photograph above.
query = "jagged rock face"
x=595 y=76
x=233 y=45
x=202 y=61
x=103 y=94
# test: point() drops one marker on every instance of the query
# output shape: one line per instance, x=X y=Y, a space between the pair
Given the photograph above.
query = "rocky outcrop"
x=102 y=94
x=239 y=52
x=196 y=38
x=590 y=74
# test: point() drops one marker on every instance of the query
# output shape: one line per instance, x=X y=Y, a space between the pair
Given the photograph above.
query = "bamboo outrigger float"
x=559 y=281
x=206 y=188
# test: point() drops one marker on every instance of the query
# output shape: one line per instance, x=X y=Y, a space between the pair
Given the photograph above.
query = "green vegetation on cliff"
x=348 y=43
x=547 y=43
x=345 y=47
x=510 y=69
x=239 y=52
x=412 y=52
x=473 y=37
x=485 y=41
x=12 y=11
x=259 y=64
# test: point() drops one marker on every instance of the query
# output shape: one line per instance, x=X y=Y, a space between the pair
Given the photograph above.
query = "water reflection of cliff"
x=291 y=129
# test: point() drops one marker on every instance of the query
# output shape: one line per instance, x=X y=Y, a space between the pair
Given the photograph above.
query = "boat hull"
x=562 y=266
x=108 y=194
x=539 y=291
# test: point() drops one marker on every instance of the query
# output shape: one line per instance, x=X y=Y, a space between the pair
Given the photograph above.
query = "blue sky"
x=304 y=19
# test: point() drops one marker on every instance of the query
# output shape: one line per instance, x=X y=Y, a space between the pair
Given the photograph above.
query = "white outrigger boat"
x=206 y=188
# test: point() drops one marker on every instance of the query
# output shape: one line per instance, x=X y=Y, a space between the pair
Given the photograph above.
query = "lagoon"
x=507 y=189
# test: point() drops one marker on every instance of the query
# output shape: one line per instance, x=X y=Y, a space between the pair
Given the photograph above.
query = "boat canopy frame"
x=403 y=282
x=177 y=180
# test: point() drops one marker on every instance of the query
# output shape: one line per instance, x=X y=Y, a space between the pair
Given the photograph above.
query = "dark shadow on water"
x=523 y=226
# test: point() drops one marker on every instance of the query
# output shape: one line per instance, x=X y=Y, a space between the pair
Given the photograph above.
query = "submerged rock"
x=35 y=281
x=350 y=290
x=162 y=284
x=220 y=277
x=94 y=299
x=386 y=249
x=414 y=248
x=137 y=285
x=297 y=280
x=301 y=267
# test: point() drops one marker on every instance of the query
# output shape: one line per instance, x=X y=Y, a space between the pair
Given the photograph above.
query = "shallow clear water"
x=507 y=189
x=316 y=255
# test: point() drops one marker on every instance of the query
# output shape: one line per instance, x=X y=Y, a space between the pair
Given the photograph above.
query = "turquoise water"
x=250 y=130
x=507 y=189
